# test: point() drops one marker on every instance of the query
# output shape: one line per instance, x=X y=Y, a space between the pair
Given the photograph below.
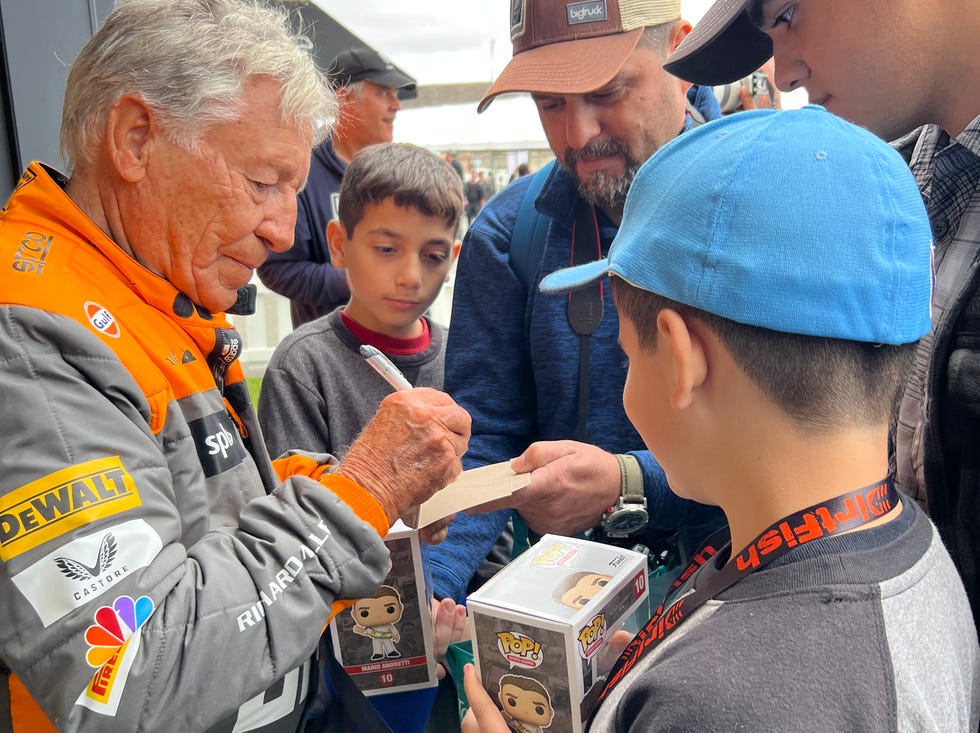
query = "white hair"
x=189 y=61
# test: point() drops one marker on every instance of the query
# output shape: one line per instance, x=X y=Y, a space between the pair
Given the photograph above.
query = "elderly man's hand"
x=572 y=484
x=410 y=450
x=436 y=532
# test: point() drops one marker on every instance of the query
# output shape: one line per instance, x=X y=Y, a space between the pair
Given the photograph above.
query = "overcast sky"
x=439 y=41
x=443 y=41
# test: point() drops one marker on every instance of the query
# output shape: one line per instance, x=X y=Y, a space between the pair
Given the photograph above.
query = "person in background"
x=157 y=570
x=395 y=235
x=777 y=343
x=370 y=89
x=489 y=187
x=915 y=81
x=476 y=196
x=539 y=386
x=450 y=157
x=520 y=171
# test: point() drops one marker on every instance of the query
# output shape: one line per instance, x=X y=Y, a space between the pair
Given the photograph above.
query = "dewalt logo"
x=62 y=501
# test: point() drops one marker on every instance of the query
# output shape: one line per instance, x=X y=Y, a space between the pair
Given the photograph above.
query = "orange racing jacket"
x=157 y=570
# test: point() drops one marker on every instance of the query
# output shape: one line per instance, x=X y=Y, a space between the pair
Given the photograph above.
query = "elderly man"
x=369 y=88
x=159 y=572
x=909 y=72
x=543 y=377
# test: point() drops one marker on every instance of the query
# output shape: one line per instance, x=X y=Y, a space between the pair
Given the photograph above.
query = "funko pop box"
x=385 y=642
x=540 y=625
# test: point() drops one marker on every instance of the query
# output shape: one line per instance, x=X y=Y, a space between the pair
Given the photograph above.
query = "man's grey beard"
x=602 y=189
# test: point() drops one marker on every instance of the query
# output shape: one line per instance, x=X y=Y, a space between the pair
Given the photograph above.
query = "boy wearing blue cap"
x=767 y=342
x=909 y=71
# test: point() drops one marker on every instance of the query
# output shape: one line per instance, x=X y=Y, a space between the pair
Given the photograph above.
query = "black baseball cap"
x=365 y=64
x=724 y=46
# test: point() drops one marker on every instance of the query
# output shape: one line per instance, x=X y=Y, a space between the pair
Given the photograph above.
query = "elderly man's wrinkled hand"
x=410 y=450
x=436 y=532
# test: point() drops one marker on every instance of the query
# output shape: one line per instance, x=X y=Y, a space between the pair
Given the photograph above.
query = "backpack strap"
x=526 y=249
x=530 y=231
x=584 y=307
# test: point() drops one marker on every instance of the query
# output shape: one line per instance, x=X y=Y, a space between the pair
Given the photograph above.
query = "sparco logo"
x=588 y=12
x=218 y=446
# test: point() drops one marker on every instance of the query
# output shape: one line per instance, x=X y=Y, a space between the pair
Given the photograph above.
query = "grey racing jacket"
x=157 y=571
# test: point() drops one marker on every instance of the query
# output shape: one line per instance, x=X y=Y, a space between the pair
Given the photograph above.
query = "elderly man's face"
x=603 y=137
x=206 y=220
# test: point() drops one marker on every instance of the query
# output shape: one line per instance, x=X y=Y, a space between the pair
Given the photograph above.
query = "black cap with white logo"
x=365 y=64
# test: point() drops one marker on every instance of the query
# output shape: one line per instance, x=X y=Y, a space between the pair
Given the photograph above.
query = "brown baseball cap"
x=724 y=46
x=569 y=47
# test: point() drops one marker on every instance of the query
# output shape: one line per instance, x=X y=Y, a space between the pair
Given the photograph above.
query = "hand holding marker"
x=383 y=366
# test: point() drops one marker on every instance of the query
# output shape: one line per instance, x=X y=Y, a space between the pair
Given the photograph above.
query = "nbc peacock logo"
x=113 y=634
x=114 y=626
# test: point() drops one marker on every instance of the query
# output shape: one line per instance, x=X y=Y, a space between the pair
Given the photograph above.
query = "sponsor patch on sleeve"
x=219 y=446
x=113 y=640
x=62 y=501
x=85 y=568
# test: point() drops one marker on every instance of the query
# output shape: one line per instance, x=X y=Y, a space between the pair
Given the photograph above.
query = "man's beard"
x=602 y=189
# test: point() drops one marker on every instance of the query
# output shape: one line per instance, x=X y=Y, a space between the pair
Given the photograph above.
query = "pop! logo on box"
x=519 y=650
x=591 y=636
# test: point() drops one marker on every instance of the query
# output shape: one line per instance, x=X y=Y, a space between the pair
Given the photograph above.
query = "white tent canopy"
x=510 y=123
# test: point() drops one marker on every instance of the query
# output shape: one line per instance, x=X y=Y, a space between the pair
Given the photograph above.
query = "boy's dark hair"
x=411 y=176
x=822 y=383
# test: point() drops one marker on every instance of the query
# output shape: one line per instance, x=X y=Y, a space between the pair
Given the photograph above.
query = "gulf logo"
x=102 y=320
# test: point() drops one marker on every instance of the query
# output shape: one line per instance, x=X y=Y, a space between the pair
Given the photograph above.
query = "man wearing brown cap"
x=918 y=70
x=369 y=89
x=542 y=376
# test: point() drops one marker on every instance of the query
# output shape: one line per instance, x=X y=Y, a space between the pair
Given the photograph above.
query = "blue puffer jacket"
x=517 y=394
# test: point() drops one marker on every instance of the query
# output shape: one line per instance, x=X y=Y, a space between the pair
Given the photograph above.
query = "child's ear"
x=456 y=247
x=687 y=357
x=336 y=240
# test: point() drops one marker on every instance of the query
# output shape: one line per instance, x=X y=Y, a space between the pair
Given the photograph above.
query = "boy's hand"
x=610 y=654
x=410 y=450
x=572 y=484
x=483 y=716
x=449 y=626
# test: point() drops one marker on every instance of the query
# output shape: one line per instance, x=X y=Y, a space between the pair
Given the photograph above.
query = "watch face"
x=625 y=521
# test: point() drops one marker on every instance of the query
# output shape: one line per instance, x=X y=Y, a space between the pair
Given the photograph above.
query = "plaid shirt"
x=947 y=172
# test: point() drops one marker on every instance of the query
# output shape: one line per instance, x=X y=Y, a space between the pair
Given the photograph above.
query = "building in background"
x=444 y=117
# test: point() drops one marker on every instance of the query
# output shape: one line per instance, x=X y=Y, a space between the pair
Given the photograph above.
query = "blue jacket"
x=512 y=362
x=304 y=273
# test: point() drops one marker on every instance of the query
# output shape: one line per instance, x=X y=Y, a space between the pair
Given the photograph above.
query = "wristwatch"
x=629 y=514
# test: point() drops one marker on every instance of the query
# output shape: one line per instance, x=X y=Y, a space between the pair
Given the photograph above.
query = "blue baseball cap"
x=794 y=221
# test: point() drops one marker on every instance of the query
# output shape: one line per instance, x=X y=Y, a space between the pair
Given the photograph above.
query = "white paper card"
x=471 y=488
